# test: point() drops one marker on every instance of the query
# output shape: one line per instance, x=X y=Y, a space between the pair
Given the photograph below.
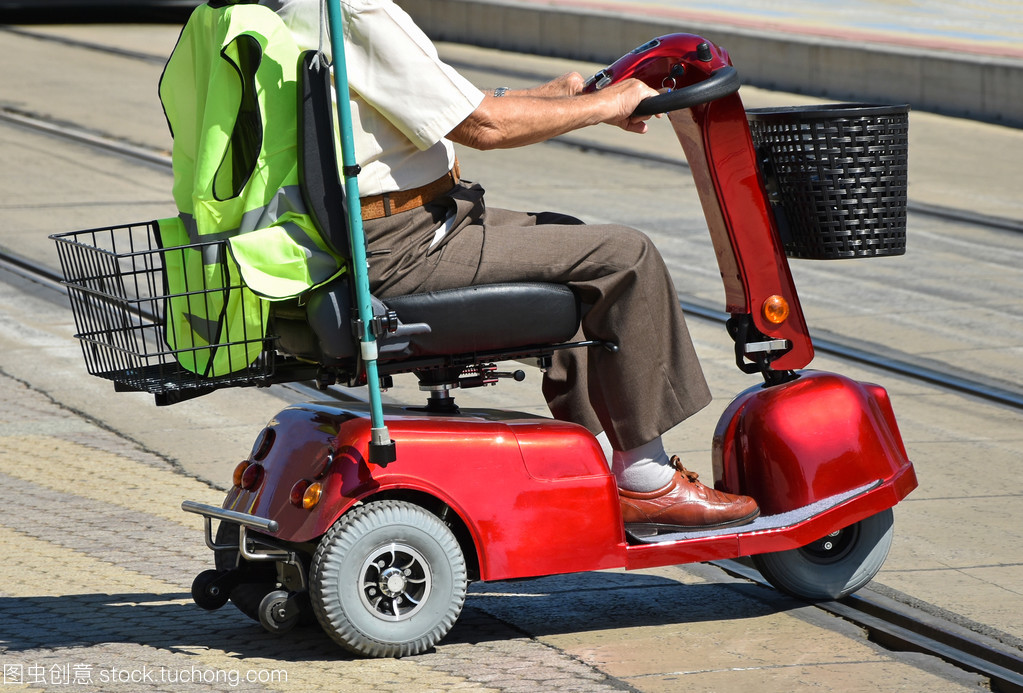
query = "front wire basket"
x=118 y=286
x=836 y=176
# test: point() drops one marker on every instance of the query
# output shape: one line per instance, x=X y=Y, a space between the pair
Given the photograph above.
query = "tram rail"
x=886 y=621
x=904 y=628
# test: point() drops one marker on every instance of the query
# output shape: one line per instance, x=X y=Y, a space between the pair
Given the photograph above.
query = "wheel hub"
x=395 y=582
x=392 y=582
x=834 y=547
x=828 y=542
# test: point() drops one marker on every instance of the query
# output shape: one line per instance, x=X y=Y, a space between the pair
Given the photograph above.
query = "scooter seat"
x=489 y=317
x=466 y=320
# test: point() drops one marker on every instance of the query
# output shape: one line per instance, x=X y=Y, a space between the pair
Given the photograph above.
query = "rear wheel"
x=388 y=580
x=834 y=566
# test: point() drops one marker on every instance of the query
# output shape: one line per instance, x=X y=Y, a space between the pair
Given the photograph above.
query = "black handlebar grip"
x=722 y=82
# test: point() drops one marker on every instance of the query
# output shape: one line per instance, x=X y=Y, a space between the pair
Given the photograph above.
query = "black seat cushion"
x=489 y=317
x=460 y=321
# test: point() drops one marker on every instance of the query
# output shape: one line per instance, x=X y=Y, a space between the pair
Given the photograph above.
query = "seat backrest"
x=317 y=158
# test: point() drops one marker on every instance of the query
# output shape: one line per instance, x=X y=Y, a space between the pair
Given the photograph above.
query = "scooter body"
x=493 y=495
x=819 y=453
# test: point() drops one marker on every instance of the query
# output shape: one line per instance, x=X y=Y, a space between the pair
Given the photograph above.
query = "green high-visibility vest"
x=230 y=94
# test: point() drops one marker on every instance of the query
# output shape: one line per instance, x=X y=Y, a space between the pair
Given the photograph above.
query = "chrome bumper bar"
x=262 y=549
x=246 y=520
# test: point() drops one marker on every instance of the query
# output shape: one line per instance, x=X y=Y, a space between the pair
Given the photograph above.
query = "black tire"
x=207 y=592
x=276 y=615
x=832 y=567
x=388 y=580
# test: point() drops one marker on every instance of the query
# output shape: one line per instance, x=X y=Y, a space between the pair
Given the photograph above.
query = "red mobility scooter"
x=379 y=541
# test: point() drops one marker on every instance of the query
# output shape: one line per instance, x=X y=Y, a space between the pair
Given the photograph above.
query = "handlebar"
x=722 y=82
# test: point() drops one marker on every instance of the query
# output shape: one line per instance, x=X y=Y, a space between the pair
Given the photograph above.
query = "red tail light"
x=252 y=477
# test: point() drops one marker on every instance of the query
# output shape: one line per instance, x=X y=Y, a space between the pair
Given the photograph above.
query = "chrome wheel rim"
x=395 y=582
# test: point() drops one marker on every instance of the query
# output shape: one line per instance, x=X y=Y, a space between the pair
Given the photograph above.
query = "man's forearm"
x=520 y=118
x=515 y=121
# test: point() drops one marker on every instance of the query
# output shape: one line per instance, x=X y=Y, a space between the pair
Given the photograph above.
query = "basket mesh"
x=836 y=176
x=117 y=284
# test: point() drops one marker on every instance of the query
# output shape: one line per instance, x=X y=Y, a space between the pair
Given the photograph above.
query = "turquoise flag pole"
x=381 y=447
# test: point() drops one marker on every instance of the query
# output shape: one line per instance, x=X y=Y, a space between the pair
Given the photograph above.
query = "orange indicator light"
x=776 y=310
x=238 y=471
x=312 y=495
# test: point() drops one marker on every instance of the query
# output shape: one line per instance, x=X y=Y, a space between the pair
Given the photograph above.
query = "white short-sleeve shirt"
x=404 y=98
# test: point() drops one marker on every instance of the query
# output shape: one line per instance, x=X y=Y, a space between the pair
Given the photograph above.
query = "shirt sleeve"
x=395 y=68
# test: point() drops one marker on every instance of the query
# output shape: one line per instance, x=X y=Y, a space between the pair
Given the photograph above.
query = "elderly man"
x=428 y=229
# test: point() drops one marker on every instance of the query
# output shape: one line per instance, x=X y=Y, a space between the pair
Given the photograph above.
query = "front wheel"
x=834 y=566
x=388 y=580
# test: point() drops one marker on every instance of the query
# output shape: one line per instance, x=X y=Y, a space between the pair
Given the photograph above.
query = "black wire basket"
x=836 y=176
x=122 y=297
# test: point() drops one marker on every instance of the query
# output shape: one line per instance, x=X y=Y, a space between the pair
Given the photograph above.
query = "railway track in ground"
x=886 y=621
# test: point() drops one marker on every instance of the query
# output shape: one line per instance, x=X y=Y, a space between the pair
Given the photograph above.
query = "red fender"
x=816 y=436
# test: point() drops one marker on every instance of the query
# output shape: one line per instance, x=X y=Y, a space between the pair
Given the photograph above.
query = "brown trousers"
x=649 y=386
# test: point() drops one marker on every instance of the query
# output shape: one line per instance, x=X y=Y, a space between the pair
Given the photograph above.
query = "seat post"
x=440 y=400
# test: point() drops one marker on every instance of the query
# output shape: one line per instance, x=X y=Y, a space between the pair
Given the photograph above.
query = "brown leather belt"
x=377 y=206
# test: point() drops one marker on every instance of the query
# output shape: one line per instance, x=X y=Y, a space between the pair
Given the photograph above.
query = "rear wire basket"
x=118 y=288
x=836 y=176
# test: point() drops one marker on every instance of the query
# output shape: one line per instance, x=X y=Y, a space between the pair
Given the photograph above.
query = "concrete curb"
x=987 y=88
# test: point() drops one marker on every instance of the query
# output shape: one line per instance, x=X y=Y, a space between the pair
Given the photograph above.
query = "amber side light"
x=312 y=495
x=776 y=310
x=239 y=471
x=306 y=494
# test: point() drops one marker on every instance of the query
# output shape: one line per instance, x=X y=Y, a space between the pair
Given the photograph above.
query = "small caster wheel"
x=208 y=590
x=278 y=612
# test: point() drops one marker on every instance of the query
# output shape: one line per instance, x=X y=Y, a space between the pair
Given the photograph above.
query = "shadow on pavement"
x=494 y=612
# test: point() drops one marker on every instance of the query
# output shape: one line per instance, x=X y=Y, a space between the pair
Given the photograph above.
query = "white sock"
x=643 y=469
x=605 y=445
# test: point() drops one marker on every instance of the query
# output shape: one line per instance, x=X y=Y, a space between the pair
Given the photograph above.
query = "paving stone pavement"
x=98 y=561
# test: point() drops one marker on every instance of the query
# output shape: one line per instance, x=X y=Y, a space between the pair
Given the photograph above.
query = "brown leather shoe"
x=685 y=504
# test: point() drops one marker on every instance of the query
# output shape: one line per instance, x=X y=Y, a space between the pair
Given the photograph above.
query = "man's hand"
x=625 y=98
x=568 y=84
